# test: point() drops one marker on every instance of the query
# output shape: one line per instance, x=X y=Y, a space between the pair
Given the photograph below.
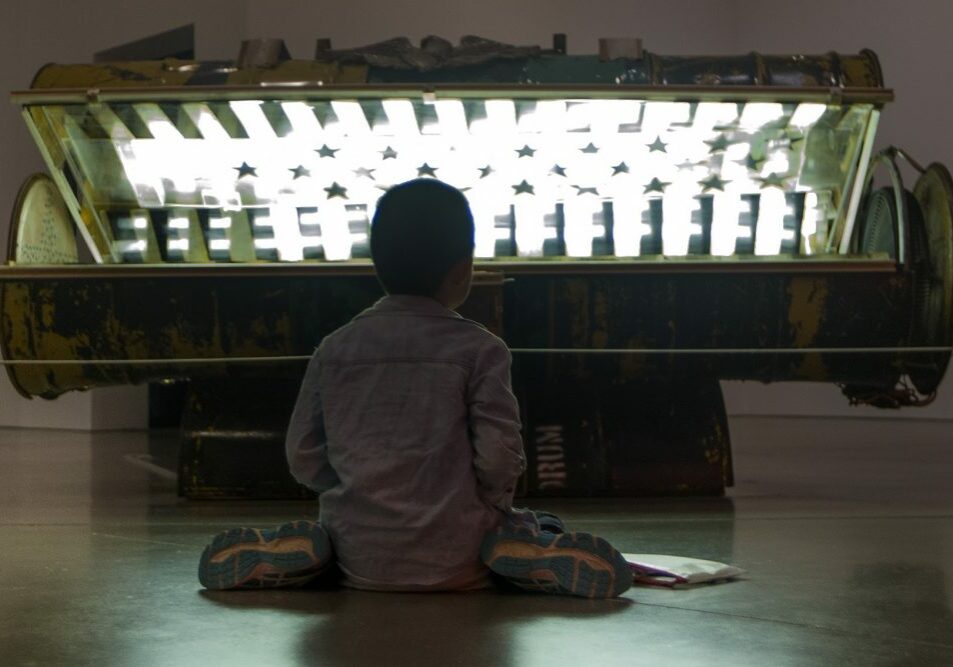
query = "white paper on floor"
x=677 y=571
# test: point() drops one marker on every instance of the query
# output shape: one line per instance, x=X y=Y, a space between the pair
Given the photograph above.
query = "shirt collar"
x=402 y=304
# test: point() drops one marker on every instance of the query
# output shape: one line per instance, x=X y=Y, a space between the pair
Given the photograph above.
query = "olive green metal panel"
x=148 y=318
x=172 y=72
x=747 y=313
x=831 y=69
x=140 y=327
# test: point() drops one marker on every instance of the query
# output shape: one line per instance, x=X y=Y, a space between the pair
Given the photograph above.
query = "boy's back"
x=407 y=426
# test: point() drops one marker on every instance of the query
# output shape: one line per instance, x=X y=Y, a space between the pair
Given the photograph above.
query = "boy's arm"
x=495 y=426
x=306 y=443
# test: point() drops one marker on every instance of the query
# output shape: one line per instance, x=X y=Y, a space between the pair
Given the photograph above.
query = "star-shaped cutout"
x=585 y=191
x=719 y=144
x=326 y=151
x=426 y=170
x=523 y=188
x=299 y=172
x=525 y=151
x=336 y=191
x=388 y=154
x=591 y=148
x=485 y=171
x=365 y=172
x=245 y=170
x=773 y=181
x=713 y=182
x=754 y=163
x=655 y=185
x=559 y=171
x=688 y=164
x=658 y=146
x=621 y=168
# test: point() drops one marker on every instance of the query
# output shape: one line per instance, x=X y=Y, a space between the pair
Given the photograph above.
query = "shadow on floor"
x=360 y=627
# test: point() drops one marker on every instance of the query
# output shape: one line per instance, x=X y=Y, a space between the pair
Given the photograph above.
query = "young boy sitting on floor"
x=407 y=427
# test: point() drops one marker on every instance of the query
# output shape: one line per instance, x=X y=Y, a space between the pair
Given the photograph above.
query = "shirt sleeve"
x=495 y=426
x=306 y=443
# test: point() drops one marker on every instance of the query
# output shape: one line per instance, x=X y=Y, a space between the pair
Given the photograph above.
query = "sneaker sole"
x=573 y=563
x=288 y=556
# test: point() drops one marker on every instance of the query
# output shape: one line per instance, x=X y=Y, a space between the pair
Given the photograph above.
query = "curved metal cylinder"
x=172 y=72
x=147 y=316
x=832 y=69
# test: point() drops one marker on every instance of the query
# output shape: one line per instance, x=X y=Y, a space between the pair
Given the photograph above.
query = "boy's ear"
x=462 y=269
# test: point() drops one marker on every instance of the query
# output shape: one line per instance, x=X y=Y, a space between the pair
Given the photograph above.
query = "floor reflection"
x=366 y=628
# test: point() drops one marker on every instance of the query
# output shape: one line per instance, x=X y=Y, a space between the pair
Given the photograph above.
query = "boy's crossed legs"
x=530 y=550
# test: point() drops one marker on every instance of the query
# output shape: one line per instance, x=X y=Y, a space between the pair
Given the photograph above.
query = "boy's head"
x=421 y=233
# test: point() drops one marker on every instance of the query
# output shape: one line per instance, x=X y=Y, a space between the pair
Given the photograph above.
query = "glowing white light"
x=309 y=218
x=402 y=120
x=253 y=119
x=180 y=245
x=807 y=114
x=771 y=211
x=658 y=116
x=710 y=114
x=579 y=228
x=219 y=244
x=737 y=152
x=335 y=232
x=146 y=183
x=353 y=121
x=357 y=215
x=488 y=164
x=726 y=206
x=485 y=236
x=158 y=123
x=452 y=118
x=287 y=233
x=531 y=232
x=605 y=115
x=758 y=114
x=203 y=118
x=550 y=117
x=628 y=228
x=813 y=217
x=500 y=118
x=777 y=163
x=303 y=121
x=678 y=204
x=266 y=244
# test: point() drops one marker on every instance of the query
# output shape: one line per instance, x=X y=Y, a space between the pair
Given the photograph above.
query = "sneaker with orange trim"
x=577 y=564
x=291 y=555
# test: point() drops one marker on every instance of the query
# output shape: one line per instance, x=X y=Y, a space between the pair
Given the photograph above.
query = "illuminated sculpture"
x=668 y=222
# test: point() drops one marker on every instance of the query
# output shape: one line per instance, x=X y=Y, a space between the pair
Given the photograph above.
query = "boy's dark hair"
x=420 y=230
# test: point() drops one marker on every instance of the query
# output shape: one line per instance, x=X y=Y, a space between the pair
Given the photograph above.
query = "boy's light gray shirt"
x=407 y=426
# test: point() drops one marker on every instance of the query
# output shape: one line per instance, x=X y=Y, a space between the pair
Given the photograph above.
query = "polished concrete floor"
x=844 y=526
